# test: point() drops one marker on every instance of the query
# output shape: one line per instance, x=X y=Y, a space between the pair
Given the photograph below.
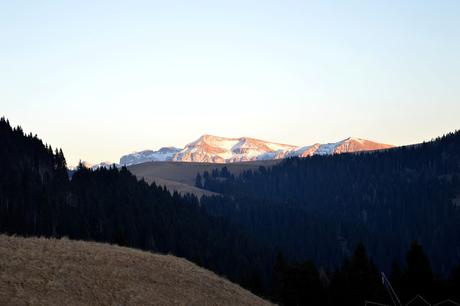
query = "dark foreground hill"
x=38 y=271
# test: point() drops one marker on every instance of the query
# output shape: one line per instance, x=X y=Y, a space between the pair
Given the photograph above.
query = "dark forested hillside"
x=320 y=207
x=33 y=182
x=110 y=205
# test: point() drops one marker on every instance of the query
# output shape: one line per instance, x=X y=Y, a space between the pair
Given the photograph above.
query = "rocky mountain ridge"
x=215 y=149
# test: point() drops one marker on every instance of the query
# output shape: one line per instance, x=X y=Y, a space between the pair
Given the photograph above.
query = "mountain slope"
x=317 y=207
x=65 y=272
x=181 y=176
x=166 y=153
x=220 y=150
x=214 y=149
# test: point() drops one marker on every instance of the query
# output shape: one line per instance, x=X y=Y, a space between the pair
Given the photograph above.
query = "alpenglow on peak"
x=216 y=149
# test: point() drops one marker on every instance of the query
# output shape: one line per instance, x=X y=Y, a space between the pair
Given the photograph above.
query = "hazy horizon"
x=104 y=79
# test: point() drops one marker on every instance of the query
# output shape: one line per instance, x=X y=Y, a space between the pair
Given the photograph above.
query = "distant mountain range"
x=215 y=149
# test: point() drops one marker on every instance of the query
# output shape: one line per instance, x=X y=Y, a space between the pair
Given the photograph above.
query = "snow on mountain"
x=221 y=150
x=214 y=149
x=164 y=154
x=92 y=166
x=303 y=151
x=350 y=144
x=105 y=164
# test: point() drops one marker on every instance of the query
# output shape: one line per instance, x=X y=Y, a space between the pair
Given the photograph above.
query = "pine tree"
x=198 y=182
x=278 y=277
x=417 y=276
x=454 y=283
x=357 y=281
x=395 y=276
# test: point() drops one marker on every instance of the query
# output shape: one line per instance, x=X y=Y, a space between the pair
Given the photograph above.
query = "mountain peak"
x=216 y=149
x=352 y=139
x=163 y=154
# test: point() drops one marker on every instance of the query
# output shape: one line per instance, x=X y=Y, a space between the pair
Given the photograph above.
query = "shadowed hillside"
x=181 y=176
x=38 y=271
x=318 y=207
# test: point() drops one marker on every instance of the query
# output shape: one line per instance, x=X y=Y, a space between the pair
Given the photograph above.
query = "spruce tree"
x=198 y=182
x=357 y=281
x=278 y=277
x=417 y=276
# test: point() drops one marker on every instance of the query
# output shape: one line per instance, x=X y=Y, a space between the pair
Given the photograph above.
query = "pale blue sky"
x=105 y=78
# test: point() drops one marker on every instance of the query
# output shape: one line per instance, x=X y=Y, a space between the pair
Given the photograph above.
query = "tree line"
x=358 y=280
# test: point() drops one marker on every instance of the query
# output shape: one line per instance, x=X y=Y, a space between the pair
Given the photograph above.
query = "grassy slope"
x=180 y=176
x=38 y=271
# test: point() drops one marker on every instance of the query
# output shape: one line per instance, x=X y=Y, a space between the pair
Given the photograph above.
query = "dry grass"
x=180 y=176
x=37 y=271
x=177 y=186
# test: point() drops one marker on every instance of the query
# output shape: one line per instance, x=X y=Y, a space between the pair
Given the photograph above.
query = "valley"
x=180 y=176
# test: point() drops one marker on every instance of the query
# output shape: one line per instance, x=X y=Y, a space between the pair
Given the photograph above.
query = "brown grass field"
x=38 y=271
x=180 y=176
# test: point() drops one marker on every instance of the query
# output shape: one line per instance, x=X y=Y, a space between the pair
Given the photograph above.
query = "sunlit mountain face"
x=215 y=149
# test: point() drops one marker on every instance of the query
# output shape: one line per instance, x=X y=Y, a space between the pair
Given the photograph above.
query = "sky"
x=100 y=79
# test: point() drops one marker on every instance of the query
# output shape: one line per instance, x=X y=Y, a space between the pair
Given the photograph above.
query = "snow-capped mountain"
x=164 y=154
x=105 y=164
x=214 y=149
x=86 y=164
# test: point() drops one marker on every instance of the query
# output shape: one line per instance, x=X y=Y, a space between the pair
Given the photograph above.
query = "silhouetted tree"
x=417 y=277
x=395 y=276
x=278 y=283
x=198 y=182
x=357 y=281
x=454 y=283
